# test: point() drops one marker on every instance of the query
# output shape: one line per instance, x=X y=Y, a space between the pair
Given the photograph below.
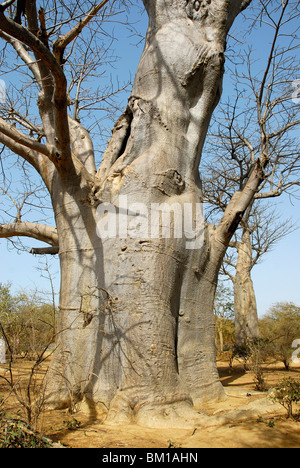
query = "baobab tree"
x=136 y=325
x=260 y=117
x=261 y=229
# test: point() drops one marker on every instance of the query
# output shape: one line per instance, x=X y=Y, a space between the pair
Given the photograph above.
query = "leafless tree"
x=257 y=127
x=258 y=234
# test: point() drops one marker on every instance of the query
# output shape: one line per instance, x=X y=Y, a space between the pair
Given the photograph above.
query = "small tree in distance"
x=259 y=117
x=28 y=321
x=224 y=312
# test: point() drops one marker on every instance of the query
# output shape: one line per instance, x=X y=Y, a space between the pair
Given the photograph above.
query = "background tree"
x=224 y=313
x=261 y=119
x=260 y=231
x=136 y=324
x=28 y=322
x=279 y=328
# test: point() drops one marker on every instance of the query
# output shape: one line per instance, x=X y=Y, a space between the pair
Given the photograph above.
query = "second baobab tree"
x=259 y=122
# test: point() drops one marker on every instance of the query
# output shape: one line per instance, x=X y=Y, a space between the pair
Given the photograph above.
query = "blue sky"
x=276 y=279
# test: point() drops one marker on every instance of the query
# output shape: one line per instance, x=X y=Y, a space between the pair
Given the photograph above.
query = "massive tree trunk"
x=136 y=324
x=138 y=334
x=245 y=306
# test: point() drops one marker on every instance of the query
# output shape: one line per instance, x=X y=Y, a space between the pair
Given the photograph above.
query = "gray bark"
x=139 y=334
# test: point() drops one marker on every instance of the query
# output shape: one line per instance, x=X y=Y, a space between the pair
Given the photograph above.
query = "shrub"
x=287 y=393
x=16 y=434
x=242 y=351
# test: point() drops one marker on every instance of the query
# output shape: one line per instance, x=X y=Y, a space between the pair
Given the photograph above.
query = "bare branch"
x=23 y=35
x=22 y=139
x=28 y=154
x=240 y=201
x=60 y=45
x=18 y=206
x=40 y=232
x=277 y=191
x=60 y=97
x=271 y=55
x=261 y=151
x=25 y=56
x=284 y=129
x=6 y=5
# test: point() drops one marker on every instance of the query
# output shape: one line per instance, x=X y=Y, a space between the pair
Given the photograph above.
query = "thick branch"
x=30 y=149
x=28 y=154
x=239 y=203
x=82 y=146
x=22 y=139
x=23 y=35
x=82 y=171
x=40 y=232
x=245 y=4
x=283 y=130
x=47 y=80
x=6 y=4
x=276 y=192
x=42 y=164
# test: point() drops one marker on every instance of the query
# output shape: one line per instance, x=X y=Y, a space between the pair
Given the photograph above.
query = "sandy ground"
x=245 y=420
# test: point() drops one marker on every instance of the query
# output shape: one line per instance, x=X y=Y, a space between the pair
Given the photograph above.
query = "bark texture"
x=138 y=314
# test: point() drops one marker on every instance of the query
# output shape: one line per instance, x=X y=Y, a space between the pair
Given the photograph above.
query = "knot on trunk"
x=169 y=182
x=198 y=9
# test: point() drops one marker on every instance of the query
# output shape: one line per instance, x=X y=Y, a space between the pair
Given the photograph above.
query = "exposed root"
x=183 y=416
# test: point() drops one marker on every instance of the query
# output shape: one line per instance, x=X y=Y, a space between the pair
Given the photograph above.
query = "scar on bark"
x=115 y=149
x=126 y=131
x=118 y=143
x=169 y=182
x=206 y=53
x=198 y=9
x=123 y=128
